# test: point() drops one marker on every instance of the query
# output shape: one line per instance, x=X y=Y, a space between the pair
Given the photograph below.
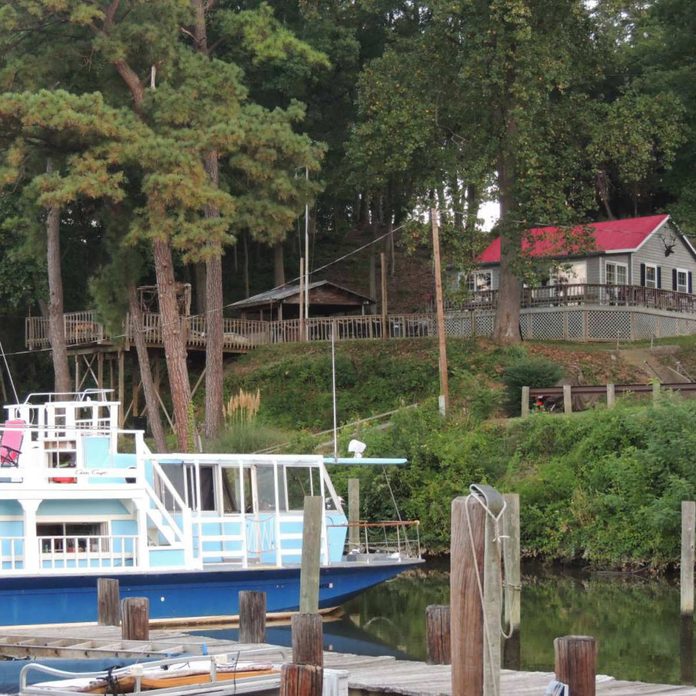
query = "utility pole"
x=442 y=343
x=306 y=232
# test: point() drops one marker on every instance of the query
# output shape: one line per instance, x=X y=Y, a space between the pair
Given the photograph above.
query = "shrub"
x=528 y=372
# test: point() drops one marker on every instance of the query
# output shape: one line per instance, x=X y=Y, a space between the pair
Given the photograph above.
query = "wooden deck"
x=569 y=312
x=367 y=675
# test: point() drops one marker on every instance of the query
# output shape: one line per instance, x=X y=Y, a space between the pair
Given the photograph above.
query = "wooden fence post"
x=108 y=602
x=252 y=617
x=686 y=574
x=611 y=396
x=512 y=580
x=301 y=680
x=437 y=634
x=135 y=618
x=576 y=663
x=656 y=386
x=354 y=513
x=524 y=406
x=307 y=639
x=567 y=398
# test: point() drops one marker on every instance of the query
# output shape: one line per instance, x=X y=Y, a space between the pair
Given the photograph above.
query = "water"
x=634 y=619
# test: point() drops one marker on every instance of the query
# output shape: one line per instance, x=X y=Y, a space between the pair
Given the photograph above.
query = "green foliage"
x=528 y=372
x=246 y=436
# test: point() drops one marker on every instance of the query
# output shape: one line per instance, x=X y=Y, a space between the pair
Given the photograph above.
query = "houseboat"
x=81 y=499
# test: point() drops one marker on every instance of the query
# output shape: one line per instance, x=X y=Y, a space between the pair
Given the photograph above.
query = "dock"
x=368 y=676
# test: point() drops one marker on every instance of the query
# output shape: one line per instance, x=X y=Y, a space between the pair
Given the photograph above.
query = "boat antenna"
x=333 y=390
x=9 y=374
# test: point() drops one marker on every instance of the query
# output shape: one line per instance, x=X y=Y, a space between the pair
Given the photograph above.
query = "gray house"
x=648 y=252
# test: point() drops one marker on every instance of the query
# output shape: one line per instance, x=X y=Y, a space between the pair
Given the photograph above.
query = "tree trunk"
x=153 y=412
x=507 y=314
x=278 y=265
x=174 y=348
x=56 y=327
x=199 y=287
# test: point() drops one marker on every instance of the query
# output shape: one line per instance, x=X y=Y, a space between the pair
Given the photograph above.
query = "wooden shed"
x=325 y=299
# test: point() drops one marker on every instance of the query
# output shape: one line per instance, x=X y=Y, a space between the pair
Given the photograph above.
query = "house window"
x=479 y=281
x=682 y=280
x=650 y=276
x=616 y=273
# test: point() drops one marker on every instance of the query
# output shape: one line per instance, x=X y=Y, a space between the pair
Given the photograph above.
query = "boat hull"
x=189 y=595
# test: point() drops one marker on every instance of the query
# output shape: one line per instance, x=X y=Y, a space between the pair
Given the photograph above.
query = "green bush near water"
x=604 y=486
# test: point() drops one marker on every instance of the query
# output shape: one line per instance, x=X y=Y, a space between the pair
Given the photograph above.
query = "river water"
x=634 y=619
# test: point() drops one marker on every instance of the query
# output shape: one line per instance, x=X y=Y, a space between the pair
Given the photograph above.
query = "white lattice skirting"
x=585 y=323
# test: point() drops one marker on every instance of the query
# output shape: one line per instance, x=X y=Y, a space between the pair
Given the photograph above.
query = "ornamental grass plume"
x=242 y=407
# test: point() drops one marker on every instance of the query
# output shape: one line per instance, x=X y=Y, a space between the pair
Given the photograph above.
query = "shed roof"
x=609 y=236
x=285 y=292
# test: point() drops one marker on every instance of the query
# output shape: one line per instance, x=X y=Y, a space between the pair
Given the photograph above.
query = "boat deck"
x=368 y=675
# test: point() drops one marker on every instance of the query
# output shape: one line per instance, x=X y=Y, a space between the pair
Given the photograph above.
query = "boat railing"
x=389 y=538
x=88 y=551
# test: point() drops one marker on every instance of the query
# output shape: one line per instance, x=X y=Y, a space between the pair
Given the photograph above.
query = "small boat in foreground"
x=182 y=676
x=81 y=499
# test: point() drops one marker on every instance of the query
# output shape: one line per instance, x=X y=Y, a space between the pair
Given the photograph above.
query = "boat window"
x=266 y=489
x=232 y=491
x=207 y=491
x=72 y=536
x=298 y=485
x=175 y=474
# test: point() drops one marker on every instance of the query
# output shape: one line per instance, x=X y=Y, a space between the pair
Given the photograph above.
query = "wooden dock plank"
x=369 y=675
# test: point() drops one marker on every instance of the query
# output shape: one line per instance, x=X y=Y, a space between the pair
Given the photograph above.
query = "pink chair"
x=11 y=442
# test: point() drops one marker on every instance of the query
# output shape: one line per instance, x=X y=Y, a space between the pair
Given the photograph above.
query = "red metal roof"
x=612 y=235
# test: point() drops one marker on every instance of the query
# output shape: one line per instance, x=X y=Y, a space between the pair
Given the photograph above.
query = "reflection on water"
x=635 y=620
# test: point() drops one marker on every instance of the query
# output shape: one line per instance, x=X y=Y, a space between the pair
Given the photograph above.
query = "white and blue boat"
x=81 y=499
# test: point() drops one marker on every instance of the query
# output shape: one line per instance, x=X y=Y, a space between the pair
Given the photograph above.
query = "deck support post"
x=108 y=602
x=576 y=663
x=252 y=617
x=135 y=618
x=437 y=634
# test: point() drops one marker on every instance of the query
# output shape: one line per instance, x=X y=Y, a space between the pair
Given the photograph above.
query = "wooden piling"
x=108 y=602
x=311 y=554
x=307 y=639
x=512 y=580
x=576 y=663
x=686 y=574
x=467 y=643
x=524 y=406
x=437 y=634
x=354 y=513
x=567 y=398
x=252 y=617
x=135 y=618
x=686 y=650
x=611 y=396
x=301 y=680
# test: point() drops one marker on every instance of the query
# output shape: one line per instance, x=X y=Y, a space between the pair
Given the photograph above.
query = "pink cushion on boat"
x=11 y=442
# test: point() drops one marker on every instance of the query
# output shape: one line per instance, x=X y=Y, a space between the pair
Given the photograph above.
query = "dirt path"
x=655 y=363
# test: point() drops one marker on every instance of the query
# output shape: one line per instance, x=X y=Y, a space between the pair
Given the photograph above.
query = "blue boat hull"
x=59 y=599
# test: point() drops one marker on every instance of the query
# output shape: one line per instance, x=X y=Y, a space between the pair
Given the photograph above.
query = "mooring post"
x=567 y=398
x=252 y=617
x=475 y=648
x=108 y=602
x=354 y=513
x=512 y=580
x=576 y=663
x=307 y=632
x=311 y=554
x=437 y=634
x=686 y=575
x=524 y=406
x=301 y=680
x=686 y=649
x=611 y=396
x=135 y=618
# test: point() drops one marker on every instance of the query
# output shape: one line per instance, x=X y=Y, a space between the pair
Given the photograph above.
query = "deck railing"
x=240 y=335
